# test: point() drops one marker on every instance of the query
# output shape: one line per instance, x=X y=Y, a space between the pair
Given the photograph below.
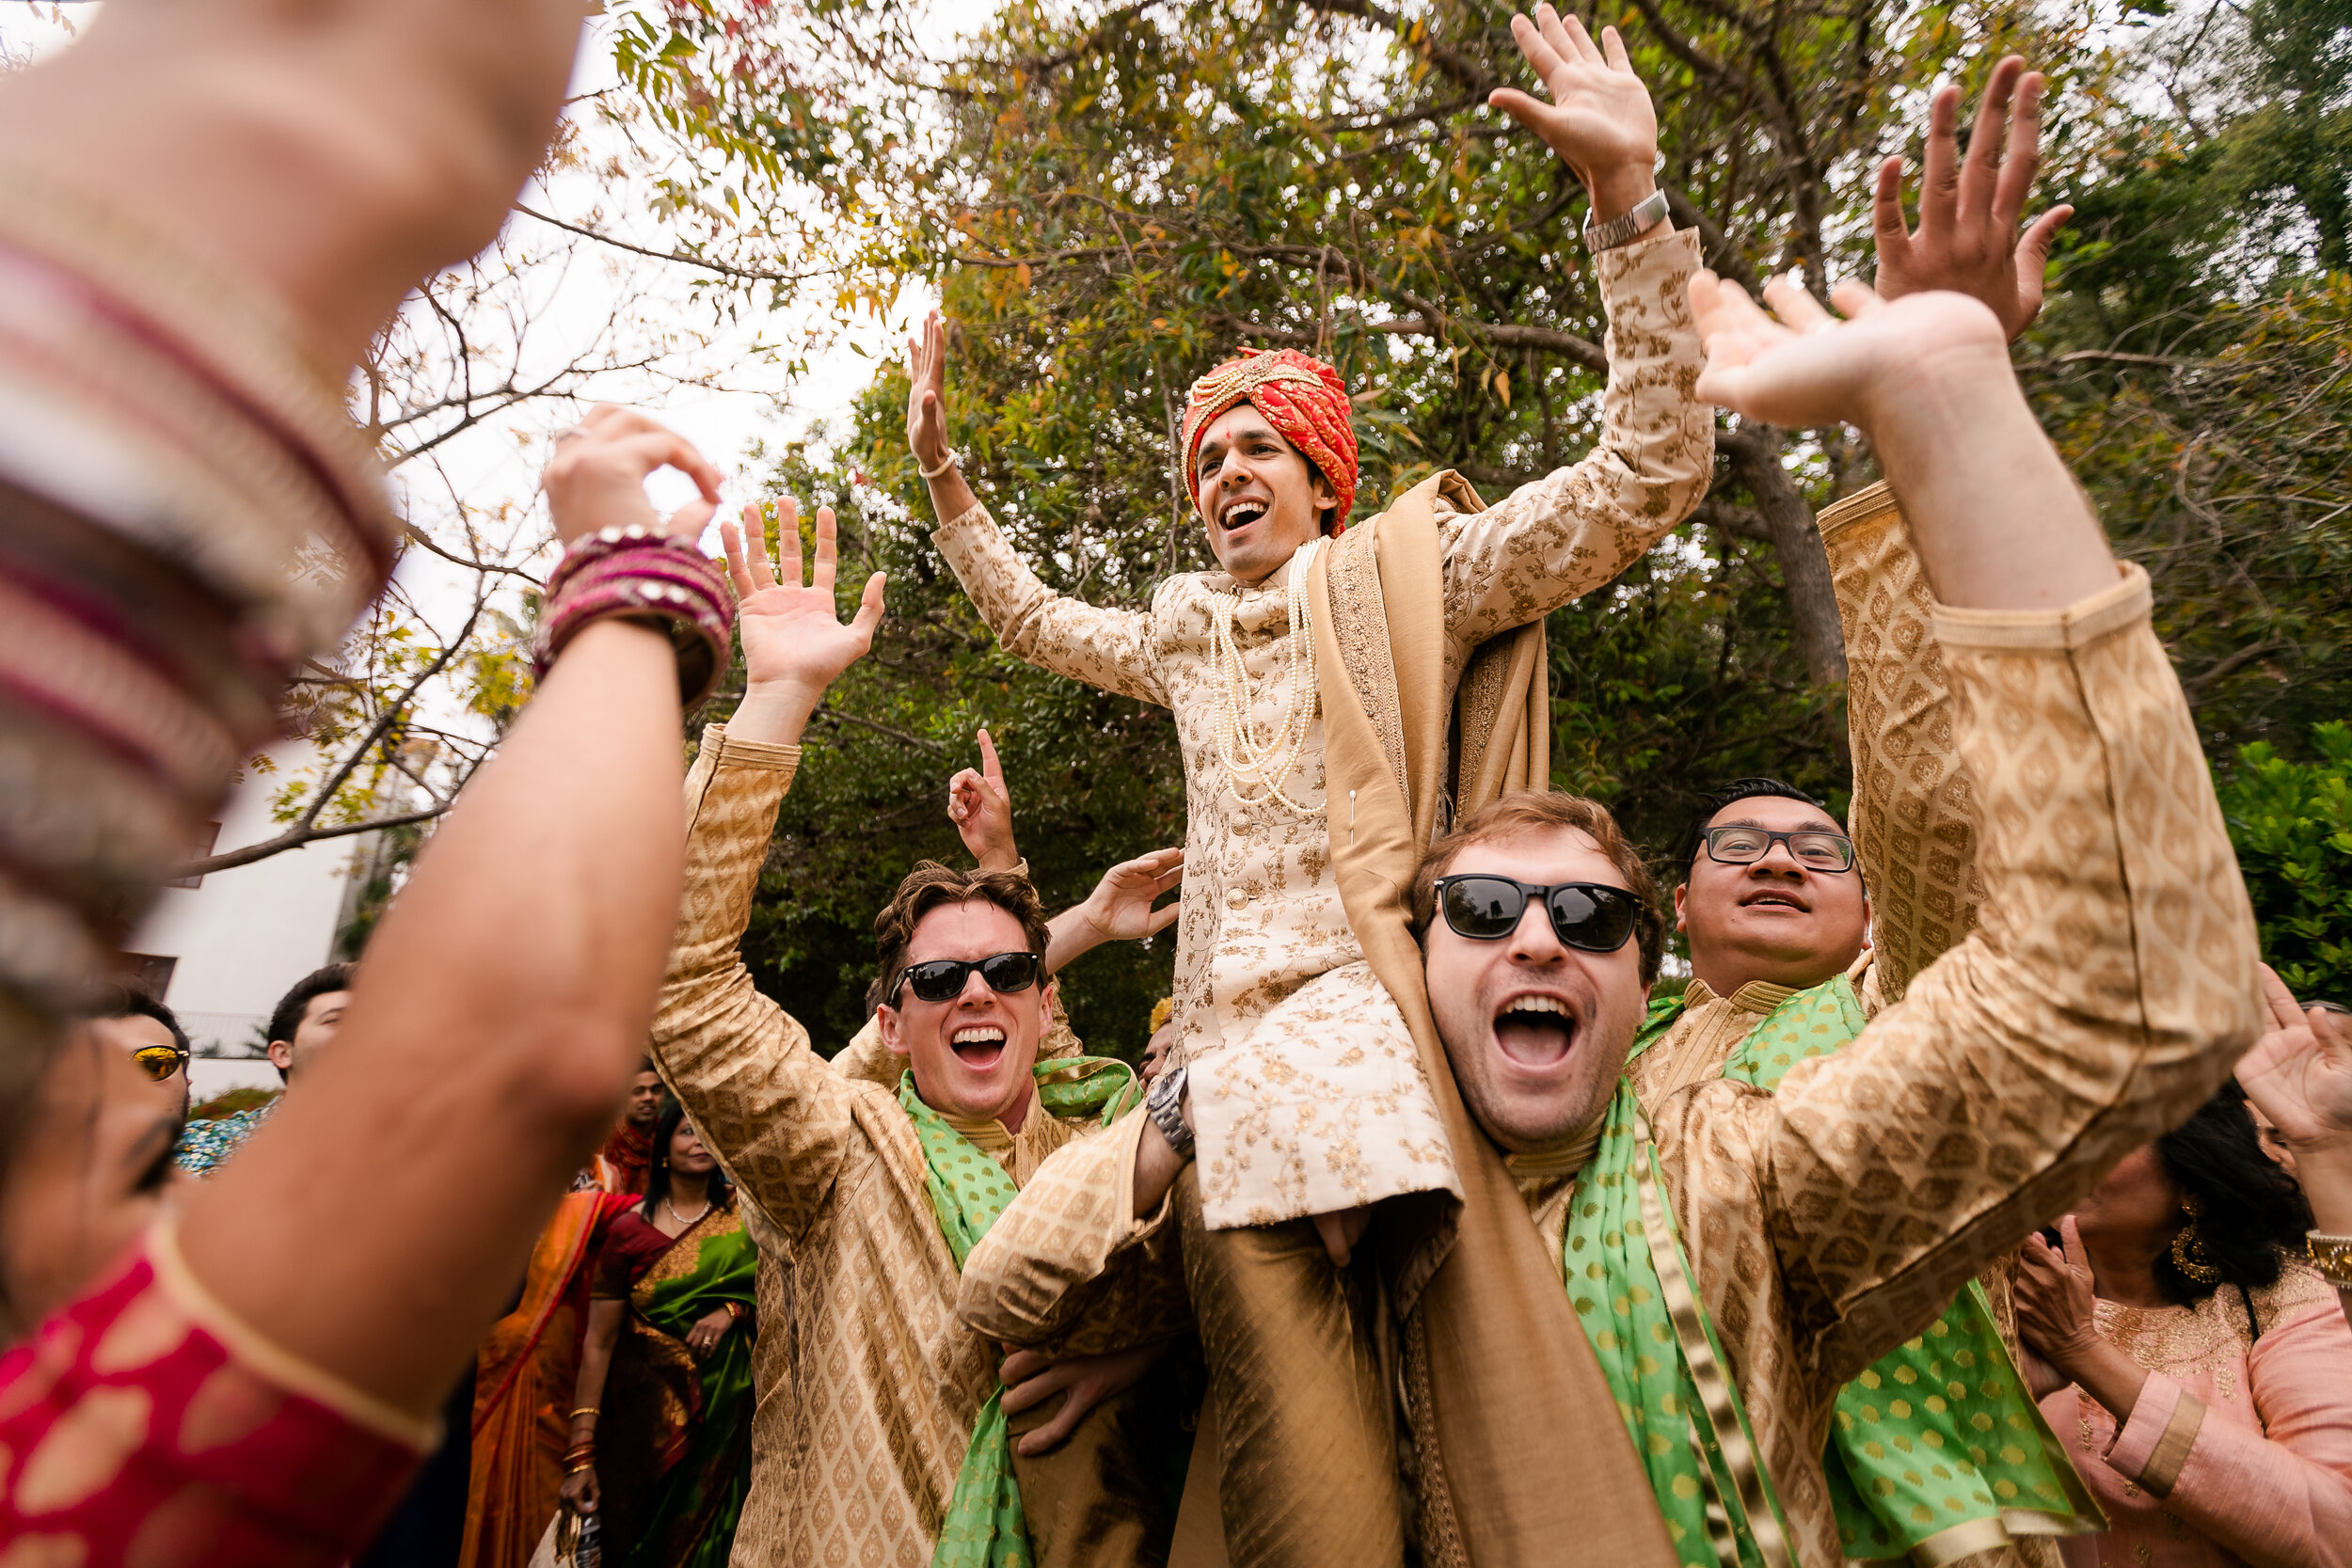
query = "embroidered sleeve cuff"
x=2152 y=1447
x=1649 y=263
x=1860 y=507
x=971 y=516
x=2077 y=626
x=732 y=752
x=282 y=1367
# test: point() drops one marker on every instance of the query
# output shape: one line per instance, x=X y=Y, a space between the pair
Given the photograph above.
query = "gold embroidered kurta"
x=1308 y=1094
x=2107 y=992
x=866 y=1385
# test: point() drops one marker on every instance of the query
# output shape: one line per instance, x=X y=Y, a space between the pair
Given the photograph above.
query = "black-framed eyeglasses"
x=1591 y=917
x=160 y=1062
x=944 y=979
x=1815 y=848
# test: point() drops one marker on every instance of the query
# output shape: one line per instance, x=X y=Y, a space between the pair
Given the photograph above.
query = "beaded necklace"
x=1250 y=764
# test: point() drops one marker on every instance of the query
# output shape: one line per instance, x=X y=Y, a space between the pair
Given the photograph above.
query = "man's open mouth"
x=979 y=1045
x=1535 y=1031
x=1241 y=515
x=1775 y=901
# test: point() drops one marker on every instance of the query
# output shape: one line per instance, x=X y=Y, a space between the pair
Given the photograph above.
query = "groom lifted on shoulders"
x=1338 y=691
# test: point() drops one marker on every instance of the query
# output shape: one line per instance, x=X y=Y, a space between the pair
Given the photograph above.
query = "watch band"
x=1625 y=229
x=1165 y=1106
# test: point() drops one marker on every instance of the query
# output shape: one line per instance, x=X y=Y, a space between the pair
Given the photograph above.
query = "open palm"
x=1809 y=369
x=2301 y=1072
x=793 y=635
x=1600 y=115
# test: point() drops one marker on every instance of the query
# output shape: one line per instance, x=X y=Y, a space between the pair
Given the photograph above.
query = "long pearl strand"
x=1248 y=762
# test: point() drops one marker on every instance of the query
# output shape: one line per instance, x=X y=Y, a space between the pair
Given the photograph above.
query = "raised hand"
x=927 y=393
x=794 y=643
x=2057 y=1313
x=1599 y=119
x=1120 y=904
x=981 y=810
x=2299 y=1073
x=1967 y=240
x=595 y=477
x=1809 y=369
x=1118 y=910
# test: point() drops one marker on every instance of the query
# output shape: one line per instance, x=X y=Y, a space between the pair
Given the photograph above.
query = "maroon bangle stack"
x=636 y=573
x=186 y=514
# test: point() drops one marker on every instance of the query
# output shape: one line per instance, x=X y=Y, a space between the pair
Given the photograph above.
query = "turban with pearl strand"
x=1300 y=396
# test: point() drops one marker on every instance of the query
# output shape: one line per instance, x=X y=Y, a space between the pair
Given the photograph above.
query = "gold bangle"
x=586 y=1410
x=584 y=1465
x=2332 y=1257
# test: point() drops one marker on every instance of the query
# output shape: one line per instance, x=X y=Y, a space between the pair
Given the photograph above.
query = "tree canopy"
x=1112 y=196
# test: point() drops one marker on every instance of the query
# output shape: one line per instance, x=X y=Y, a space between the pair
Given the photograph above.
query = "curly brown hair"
x=1535 y=811
x=930 y=886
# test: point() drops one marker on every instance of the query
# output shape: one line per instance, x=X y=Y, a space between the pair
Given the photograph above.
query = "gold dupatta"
x=1526 y=1446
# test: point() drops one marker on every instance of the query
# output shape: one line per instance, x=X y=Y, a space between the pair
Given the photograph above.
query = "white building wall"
x=246 y=935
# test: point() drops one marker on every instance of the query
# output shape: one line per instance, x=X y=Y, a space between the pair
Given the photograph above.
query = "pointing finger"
x=990 y=768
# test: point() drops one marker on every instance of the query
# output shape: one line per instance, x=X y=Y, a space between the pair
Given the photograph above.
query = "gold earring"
x=2188 y=1247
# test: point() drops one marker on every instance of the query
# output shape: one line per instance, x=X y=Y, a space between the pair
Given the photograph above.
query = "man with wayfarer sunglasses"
x=875 y=1172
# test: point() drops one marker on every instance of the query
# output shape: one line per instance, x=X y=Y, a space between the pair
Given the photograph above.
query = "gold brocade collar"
x=1758 y=996
x=1557 y=1159
x=988 y=1133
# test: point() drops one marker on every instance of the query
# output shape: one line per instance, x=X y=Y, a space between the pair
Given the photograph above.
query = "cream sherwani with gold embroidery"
x=1308 y=1095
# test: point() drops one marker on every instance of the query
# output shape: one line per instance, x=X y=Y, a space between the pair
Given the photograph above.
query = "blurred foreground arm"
x=503 y=1006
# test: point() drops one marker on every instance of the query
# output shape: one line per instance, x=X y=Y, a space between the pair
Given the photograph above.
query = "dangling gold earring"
x=2188 y=1249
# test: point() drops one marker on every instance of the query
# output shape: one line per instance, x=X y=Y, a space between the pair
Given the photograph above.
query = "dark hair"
x=136 y=1001
x=1535 y=810
x=2250 y=1207
x=930 y=886
x=657 y=1174
x=1757 y=787
x=295 y=1004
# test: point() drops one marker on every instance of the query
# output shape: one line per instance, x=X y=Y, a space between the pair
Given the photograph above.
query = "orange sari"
x=523 y=1383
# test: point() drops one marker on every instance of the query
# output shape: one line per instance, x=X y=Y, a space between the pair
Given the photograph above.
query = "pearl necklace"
x=1250 y=764
x=682 y=1219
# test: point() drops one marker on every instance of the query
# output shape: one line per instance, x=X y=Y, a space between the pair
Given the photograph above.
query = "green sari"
x=691 y=1419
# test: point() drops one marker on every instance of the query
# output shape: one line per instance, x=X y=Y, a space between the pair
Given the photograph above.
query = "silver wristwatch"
x=1625 y=229
x=1165 y=1106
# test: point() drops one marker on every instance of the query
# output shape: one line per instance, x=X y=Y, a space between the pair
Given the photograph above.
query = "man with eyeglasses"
x=884 y=1431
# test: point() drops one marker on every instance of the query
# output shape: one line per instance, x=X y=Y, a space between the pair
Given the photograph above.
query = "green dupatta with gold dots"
x=1935 y=1451
x=985 y=1527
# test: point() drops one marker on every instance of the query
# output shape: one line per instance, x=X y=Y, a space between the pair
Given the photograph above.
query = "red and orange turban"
x=1300 y=396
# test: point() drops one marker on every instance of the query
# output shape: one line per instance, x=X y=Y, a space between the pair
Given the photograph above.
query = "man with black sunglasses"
x=883 y=1424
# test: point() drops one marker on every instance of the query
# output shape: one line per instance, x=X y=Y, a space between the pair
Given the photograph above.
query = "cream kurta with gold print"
x=866 y=1385
x=1308 y=1094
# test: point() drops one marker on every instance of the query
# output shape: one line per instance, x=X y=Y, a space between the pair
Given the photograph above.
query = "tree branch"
x=751 y=274
x=295 y=837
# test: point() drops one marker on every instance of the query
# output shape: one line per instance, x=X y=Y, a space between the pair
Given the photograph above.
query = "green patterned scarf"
x=984 y=1527
x=1934 y=1452
x=1657 y=1350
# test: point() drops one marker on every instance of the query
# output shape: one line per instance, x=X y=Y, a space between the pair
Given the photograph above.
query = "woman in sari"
x=660 y=1439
